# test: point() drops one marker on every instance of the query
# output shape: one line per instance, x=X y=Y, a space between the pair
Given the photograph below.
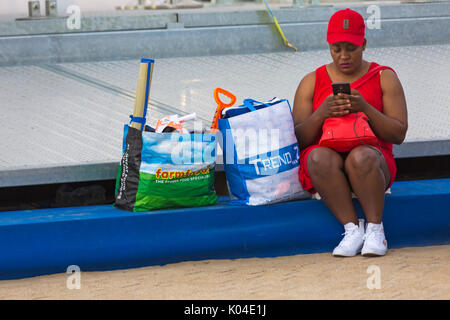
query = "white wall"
x=19 y=8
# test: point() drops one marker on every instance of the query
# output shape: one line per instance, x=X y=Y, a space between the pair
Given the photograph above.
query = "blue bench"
x=45 y=241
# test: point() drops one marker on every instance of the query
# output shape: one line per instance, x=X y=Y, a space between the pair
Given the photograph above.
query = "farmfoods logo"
x=168 y=175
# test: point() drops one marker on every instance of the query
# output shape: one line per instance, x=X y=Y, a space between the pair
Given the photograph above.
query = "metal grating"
x=72 y=114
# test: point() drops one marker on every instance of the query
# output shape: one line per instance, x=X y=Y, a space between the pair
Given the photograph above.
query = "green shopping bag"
x=166 y=170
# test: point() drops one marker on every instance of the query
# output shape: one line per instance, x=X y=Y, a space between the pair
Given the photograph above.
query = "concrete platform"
x=71 y=115
x=63 y=110
x=37 y=242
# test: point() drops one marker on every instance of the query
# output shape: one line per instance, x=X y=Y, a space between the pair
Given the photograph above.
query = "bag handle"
x=249 y=103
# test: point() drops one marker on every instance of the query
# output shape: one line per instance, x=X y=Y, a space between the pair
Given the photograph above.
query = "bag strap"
x=140 y=120
x=369 y=75
x=249 y=103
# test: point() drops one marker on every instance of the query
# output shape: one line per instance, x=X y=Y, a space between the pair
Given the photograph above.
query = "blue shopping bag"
x=261 y=154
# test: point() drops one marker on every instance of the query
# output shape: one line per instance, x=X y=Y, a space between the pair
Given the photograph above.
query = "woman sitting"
x=367 y=171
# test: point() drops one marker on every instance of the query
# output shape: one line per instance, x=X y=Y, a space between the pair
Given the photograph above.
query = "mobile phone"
x=341 y=87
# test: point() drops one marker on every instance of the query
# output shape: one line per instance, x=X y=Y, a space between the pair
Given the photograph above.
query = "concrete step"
x=45 y=241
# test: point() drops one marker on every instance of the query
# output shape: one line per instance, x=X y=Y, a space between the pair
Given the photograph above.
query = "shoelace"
x=375 y=235
x=347 y=240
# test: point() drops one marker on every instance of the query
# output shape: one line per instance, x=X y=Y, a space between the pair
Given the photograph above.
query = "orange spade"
x=221 y=105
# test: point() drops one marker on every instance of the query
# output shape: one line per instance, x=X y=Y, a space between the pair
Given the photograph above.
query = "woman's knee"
x=362 y=160
x=323 y=161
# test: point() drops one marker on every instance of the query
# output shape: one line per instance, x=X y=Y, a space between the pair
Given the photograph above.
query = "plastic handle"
x=249 y=103
x=221 y=105
x=188 y=117
x=226 y=93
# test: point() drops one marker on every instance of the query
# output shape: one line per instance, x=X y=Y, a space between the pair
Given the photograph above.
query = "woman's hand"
x=335 y=106
x=356 y=102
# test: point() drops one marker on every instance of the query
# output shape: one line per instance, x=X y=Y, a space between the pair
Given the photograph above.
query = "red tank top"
x=368 y=85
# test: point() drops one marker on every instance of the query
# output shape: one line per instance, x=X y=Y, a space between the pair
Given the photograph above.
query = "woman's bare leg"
x=325 y=167
x=369 y=175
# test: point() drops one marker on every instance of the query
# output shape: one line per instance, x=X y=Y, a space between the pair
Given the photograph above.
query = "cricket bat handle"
x=142 y=92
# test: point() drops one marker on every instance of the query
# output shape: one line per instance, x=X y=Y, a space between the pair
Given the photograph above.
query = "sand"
x=407 y=273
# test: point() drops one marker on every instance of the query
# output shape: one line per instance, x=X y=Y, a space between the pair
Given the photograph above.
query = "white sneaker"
x=375 y=243
x=352 y=242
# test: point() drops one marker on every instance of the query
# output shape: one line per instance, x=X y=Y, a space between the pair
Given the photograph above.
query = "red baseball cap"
x=346 y=25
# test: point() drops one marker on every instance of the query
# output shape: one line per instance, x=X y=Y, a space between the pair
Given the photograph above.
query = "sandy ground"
x=407 y=273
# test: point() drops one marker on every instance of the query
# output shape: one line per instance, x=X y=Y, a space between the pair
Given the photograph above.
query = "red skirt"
x=305 y=179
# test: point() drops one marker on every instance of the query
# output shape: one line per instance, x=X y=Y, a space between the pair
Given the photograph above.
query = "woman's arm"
x=394 y=107
x=308 y=124
x=391 y=124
